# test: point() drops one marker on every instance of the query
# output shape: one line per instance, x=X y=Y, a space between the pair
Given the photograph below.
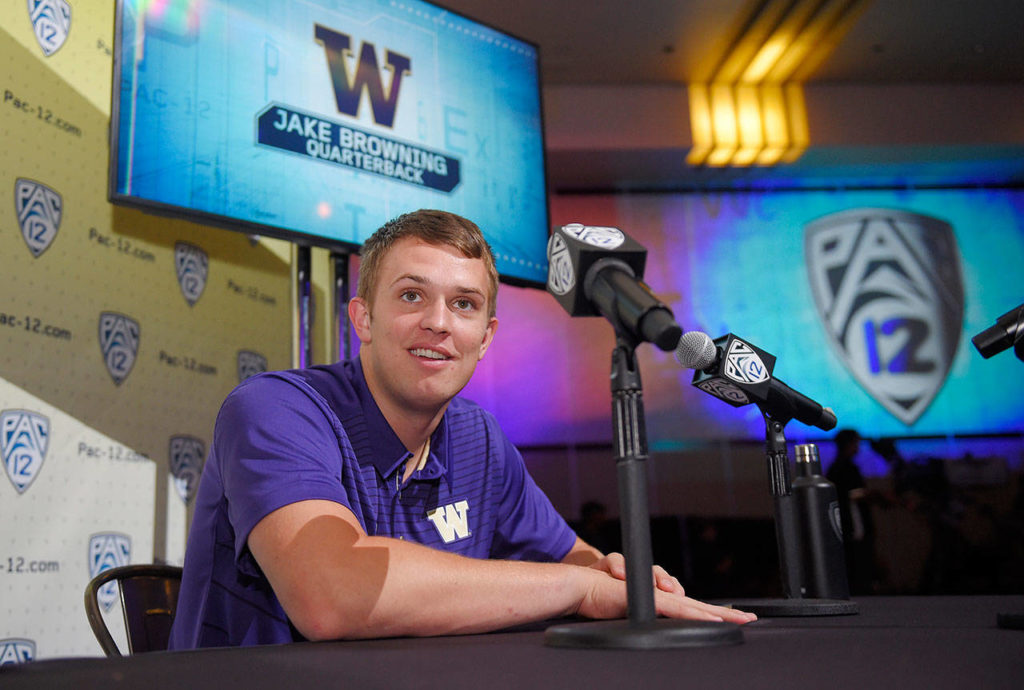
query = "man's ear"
x=492 y=326
x=359 y=317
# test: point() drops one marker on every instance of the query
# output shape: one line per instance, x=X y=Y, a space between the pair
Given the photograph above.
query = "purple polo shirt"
x=317 y=433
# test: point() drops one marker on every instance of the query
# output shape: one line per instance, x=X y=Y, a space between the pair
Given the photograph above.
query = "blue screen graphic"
x=323 y=119
x=908 y=278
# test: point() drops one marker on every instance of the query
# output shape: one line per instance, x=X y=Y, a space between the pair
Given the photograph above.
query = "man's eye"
x=409 y=296
x=464 y=304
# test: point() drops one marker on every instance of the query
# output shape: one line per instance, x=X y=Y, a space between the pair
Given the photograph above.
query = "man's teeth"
x=430 y=354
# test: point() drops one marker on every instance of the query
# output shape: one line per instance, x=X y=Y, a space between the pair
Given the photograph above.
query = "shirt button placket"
x=396 y=499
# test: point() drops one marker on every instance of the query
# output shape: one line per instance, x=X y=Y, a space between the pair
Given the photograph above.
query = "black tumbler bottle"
x=821 y=532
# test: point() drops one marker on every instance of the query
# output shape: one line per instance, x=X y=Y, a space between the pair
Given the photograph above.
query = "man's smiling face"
x=426 y=327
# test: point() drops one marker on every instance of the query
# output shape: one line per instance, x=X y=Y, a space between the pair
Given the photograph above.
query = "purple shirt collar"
x=381 y=447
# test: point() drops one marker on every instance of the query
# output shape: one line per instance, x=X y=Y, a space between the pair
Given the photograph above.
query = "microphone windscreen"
x=696 y=350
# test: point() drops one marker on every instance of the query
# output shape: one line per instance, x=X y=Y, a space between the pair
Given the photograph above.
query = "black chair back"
x=149 y=597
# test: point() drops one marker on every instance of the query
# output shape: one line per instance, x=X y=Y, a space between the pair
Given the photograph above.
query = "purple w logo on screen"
x=348 y=89
x=888 y=288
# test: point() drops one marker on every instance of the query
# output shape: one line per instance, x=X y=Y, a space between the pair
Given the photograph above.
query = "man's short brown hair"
x=432 y=227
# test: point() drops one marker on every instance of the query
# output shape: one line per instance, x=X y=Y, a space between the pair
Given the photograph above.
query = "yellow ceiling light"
x=750 y=125
x=776 y=127
x=700 y=124
x=799 y=132
x=757 y=31
x=723 y=124
x=751 y=111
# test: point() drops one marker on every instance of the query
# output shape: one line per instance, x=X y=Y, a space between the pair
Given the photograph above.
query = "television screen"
x=317 y=121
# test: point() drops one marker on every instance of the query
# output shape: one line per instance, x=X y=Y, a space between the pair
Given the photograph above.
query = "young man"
x=363 y=499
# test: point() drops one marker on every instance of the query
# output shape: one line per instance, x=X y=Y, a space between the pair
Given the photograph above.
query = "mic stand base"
x=661 y=633
x=791 y=608
x=642 y=629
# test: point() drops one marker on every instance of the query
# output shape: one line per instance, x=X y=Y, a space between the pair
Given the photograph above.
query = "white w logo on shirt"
x=450 y=521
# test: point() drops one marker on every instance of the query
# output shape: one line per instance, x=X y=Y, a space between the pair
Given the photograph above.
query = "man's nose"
x=436 y=316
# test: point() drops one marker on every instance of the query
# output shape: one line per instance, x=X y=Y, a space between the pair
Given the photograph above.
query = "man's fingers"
x=671 y=599
x=614 y=564
x=606 y=598
x=665 y=582
x=684 y=607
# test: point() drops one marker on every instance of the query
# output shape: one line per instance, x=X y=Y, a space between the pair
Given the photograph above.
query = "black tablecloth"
x=894 y=642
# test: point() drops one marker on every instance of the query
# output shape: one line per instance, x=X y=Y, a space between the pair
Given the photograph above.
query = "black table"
x=894 y=642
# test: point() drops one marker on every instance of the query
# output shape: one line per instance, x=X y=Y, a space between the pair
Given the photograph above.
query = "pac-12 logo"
x=743 y=365
x=108 y=550
x=348 y=88
x=595 y=235
x=16 y=650
x=888 y=288
x=24 y=439
x=39 y=210
x=186 y=455
x=723 y=390
x=561 y=276
x=51 y=22
x=191 y=265
x=119 y=343
x=250 y=363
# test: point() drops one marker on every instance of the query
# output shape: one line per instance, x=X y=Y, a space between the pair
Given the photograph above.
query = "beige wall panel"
x=127 y=327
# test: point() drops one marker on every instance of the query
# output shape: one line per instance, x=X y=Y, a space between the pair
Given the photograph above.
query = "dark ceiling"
x=669 y=43
x=672 y=41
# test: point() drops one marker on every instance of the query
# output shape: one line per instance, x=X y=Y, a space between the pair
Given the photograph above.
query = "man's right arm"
x=335 y=582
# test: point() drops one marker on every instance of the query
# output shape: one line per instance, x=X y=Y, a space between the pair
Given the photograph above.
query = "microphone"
x=1009 y=330
x=696 y=350
x=733 y=370
x=598 y=271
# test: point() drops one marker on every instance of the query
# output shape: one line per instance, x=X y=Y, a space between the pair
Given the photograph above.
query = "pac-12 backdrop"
x=120 y=335
x=867 y=298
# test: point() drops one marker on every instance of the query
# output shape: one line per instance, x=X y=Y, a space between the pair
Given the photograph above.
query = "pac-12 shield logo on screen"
x=191 y=266
x=888 y=288
x=51 y=22
x=39 y=210
x=108 y=550
x=250 y=363
x=24 y=439
x=16 y=650
x=187 y=455
x=119 y=342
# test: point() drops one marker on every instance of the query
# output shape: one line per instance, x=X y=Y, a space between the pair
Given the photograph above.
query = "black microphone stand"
x=642 y=629
x=788 y=538
x=1014 y=619
x=989 y=342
